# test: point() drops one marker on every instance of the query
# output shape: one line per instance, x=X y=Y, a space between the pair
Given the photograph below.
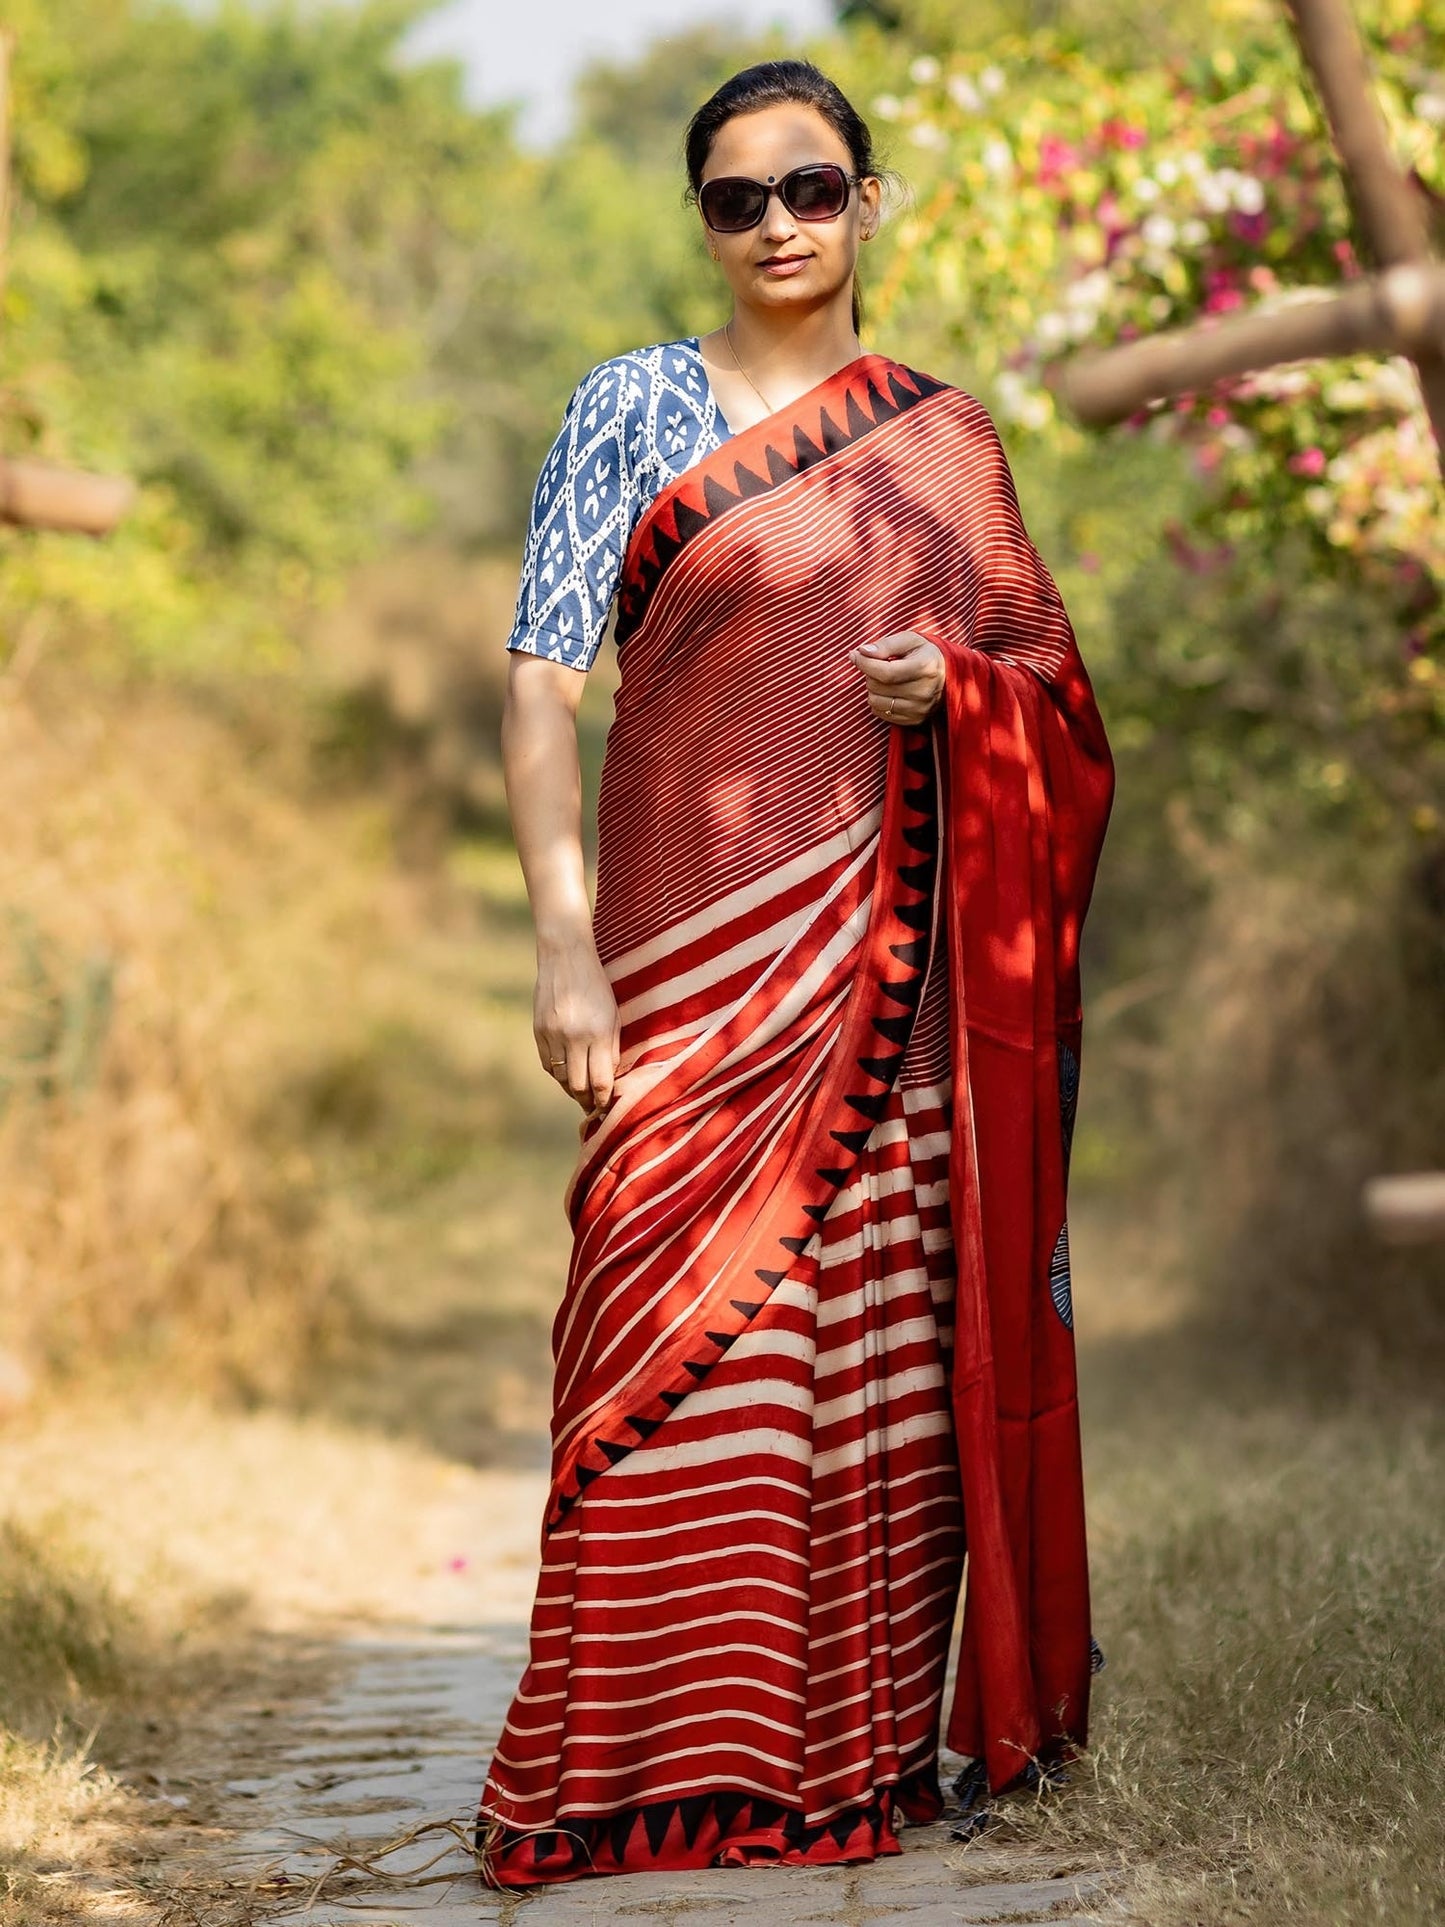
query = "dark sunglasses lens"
x=816 y=193
x=729 y=205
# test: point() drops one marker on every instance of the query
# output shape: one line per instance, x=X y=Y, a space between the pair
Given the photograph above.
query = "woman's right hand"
x=575 y=1022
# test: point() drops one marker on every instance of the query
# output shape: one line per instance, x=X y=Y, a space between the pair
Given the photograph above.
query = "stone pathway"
x=403 y=1741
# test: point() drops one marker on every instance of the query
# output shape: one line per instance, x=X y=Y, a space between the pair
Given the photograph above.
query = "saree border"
x=844 y=408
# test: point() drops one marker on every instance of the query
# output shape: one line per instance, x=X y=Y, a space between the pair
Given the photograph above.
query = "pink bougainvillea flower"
x=1056 y=159
x=1250 y=228
x=1217 y=416
x=1110 y=215
x=1088 y=562
x=1118 y=133
x=1309 y=461
x=458 y=1563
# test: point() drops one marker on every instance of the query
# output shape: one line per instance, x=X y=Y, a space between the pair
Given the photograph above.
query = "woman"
x=816 y=1335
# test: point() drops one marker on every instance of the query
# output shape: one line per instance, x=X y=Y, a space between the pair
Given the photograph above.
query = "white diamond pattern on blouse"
x=632 y=424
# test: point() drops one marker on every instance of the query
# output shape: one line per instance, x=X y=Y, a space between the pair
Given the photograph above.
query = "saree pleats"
x=811 y=1353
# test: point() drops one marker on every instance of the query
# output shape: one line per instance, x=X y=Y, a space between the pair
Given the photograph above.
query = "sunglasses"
x=732 y=203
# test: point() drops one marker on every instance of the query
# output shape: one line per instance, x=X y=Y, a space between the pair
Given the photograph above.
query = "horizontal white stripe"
x=694 y=1652
x=704 y=1556
x=709 y=1685
x=908 y=1431
x=888 y=1551
x=593 y=1499
x=659 y=1636
x=920 y=1378
x=711 y=1452
x=650 y=1533
x=717 y=1584
x=717 y=1745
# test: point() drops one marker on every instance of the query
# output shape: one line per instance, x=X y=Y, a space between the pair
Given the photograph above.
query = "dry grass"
x=240 y=1042
x=1268 y=1737
x=161 y=1560
x=142 y=852
x=71 y=1654
x=1301 y=1052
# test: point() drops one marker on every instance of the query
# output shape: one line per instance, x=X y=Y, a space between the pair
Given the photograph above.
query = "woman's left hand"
x=904 y=673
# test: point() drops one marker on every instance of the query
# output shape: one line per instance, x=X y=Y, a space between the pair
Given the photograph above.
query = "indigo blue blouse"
x=632 y=424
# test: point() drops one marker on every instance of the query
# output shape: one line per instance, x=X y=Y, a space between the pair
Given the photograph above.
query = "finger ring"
x=558 y=1060
x=892 y=703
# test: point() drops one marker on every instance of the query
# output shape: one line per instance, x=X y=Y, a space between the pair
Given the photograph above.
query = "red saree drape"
x=816 y=1349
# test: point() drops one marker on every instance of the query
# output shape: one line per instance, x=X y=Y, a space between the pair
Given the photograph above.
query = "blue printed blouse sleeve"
x=583 y=510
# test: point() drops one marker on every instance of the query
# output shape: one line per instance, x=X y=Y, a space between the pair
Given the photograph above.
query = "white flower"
x=1146 y=190
x=992 y=80
x=924 y=70
x=1193 y=165
x=1082 y=322
x=963 y=93
x=1430 y=107
x=1386 y=384
x=1214 y=192
x=888 y=107
x=1247 y=194
x=1167 y=171
x=1194 y=233
x=1052 y=330
x=1159 y=232
x=1020 y=402
x=926 y=134
x=998 y=156
x=1090 y=290
x=1037 y=411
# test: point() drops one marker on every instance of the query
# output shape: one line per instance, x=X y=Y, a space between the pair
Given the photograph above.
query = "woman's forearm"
x=574 y=1013
x=544 y=799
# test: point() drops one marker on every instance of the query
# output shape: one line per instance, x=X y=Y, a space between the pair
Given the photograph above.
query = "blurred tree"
x=232 y=237
x=1129 y=29
x=640 y=109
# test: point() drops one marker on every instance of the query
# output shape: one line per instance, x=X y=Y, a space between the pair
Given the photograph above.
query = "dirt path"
x=400 y=1741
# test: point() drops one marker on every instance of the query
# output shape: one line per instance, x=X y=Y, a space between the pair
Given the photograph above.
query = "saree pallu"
x=815 y=1356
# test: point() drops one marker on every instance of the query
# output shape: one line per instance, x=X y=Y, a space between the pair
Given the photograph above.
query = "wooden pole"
x=37 y=495
x=1399 y=312
x=1409 y=1209
x=1390 y=211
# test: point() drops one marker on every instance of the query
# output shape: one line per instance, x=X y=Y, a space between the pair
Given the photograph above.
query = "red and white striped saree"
x=816 y=1344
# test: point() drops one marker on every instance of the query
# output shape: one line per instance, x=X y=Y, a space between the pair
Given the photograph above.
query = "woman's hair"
x=774 y=83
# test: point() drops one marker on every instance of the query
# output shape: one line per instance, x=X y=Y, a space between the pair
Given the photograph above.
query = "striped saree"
x=815 y=1354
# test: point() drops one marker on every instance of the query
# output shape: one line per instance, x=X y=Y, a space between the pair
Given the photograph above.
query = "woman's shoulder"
x=630 y=378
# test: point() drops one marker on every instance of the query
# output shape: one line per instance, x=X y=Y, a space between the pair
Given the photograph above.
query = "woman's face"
x=785 y=262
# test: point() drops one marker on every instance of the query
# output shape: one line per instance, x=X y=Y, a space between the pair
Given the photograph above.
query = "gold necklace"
x=727 y=331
